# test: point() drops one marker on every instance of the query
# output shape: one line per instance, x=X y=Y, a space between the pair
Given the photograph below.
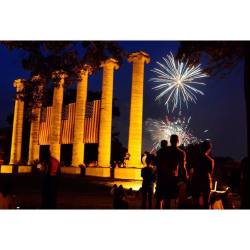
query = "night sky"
x=221 y=110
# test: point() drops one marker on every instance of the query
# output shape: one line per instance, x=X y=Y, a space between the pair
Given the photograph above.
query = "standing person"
x=149 y=178
x=51 y=172
x=126 y=159
x=203 y=174
x=161 y=165
x=144 y=157
x=176 y=168
x=7 y=199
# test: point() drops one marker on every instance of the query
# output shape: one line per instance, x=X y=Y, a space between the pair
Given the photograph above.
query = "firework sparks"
x=160 y=129
x=177 y=82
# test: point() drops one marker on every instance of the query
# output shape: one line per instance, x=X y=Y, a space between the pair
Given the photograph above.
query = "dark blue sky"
x=221 y=110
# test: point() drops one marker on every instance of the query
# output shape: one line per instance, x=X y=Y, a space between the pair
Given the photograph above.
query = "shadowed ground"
x=74 y=192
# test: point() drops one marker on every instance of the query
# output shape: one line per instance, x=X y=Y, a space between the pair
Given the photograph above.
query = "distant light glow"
x=177 y=81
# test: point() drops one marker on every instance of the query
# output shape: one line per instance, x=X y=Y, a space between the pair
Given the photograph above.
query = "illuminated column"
x=136 y=108
x=81 y=99
x=56 y=116
x=16 y=141
x=34 y=147
x=104 y=149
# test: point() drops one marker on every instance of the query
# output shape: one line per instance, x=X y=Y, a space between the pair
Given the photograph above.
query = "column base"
x=127 y=173
x=24 y=169
x=78 y=154
x=70 y=170
x=98 y=172
x=6 y=169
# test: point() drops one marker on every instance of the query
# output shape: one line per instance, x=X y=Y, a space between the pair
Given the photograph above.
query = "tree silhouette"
x=45 y=57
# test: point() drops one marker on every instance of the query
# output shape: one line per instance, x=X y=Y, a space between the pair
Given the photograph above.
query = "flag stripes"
x=45 y=126
x=67 y=129
x=91 y=125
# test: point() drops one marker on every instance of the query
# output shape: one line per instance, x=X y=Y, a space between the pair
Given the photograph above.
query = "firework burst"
x=177 y=81
x=160 y=129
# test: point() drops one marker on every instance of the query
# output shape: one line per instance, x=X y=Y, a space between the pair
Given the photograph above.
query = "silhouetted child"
x=119 y=198
x=149 y=178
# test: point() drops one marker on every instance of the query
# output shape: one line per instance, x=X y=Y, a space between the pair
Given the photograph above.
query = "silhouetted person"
x=203 y=174
x=144 y=157
x=149 y=178
x=51 y=172
x=126 y=159
x=119 y=200
x=161 y=164
x=7 y=199
x=245 y=183
x=130 y=192
x=175 y=170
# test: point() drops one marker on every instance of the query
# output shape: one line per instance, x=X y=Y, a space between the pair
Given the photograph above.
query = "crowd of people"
x=170 y=182
x=174 y=183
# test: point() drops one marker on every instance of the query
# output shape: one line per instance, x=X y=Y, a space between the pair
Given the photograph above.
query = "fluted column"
x=81 y=99
x=16 y=141
x=34 y=147
x=136 y=107
x=56 y=116
x=104 y=149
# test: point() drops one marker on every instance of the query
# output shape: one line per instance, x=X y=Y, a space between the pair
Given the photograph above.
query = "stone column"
x=56 y=116
x=136 y=107
x=34 y=147
x=104 y=149
x=16 y=141
x=81 y=99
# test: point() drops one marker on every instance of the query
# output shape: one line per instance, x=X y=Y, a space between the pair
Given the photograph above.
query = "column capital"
x=37 y=78
x=59 y=75
x=140 y=55
x=18 y=84
x=85 y=69
x=111 y=62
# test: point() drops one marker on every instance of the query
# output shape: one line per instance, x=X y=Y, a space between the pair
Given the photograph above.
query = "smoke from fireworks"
x=177 y=82
x=160 y=130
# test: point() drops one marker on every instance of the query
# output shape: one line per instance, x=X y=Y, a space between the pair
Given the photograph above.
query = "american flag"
x=92 y=120
x=91 y=125
x=67 y=127
x=45 y=125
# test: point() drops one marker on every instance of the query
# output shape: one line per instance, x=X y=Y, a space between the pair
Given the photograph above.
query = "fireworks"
x=177 y=82
x=160 y=130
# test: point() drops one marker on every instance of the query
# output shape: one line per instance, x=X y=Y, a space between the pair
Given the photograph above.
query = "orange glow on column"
x=16 y=141
x=55 y=146
x=104 y=149
x=34 y=147
x=136 y=107
x=81 y=99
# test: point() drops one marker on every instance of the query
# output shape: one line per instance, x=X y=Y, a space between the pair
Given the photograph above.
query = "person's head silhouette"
x=174 y=140
x=149 y=160
x=206 y=147
x=164 y=143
